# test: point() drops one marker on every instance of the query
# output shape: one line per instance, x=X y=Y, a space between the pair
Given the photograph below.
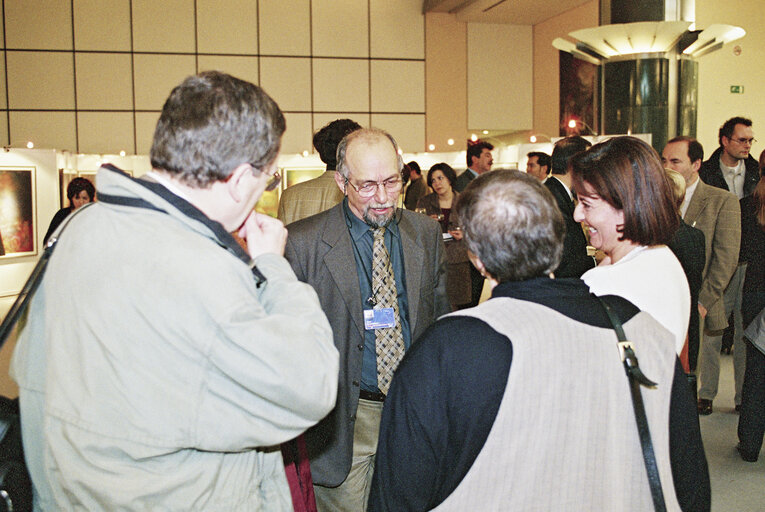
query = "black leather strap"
x=636 y=378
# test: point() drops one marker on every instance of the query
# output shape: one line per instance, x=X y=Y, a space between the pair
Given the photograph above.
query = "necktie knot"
x=378 y=233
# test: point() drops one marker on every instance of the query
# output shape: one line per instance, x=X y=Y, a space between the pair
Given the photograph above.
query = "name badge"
x=379 y=318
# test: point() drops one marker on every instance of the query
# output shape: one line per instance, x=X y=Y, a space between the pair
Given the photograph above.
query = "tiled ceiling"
x=516 y=12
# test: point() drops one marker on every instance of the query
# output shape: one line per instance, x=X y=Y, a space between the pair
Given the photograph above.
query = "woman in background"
x=688 y=246
x=79 y=192
x=439 y=204
x=628 y=206
x=751 y=424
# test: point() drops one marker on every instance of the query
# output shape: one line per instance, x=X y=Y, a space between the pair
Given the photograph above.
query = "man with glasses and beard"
x=397 y=290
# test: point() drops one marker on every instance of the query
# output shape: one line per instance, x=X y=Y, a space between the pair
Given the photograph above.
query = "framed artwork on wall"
x=18 y=212
x=578 y=96
x=268 y=203
x=295 y=176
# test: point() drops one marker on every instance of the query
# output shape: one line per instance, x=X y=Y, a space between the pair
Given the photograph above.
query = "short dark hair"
x=210 y=124
x=543 y=159
x=406 y=173
x=370 y=134
x=627 y=174
x=564 y=149
x=445 y=168
x=726 y=130
x=415 y=167
x=474 y=149
x=79 y=184
x=326 y=140
x=512 y=223
x=695 y=149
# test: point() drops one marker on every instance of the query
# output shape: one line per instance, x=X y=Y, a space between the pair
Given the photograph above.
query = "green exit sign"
x=737 y=89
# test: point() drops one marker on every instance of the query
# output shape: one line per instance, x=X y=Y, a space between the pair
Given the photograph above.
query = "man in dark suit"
x=736 y=138
x=338 y=252
x=479 y=161
x=417 y=186
x=575 y=260
x=717 y=213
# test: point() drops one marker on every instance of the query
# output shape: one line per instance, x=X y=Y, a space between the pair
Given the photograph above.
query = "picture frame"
x=18 y=212
x=295 y=176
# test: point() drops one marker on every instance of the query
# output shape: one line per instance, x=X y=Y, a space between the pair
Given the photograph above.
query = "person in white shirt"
x=628 y=206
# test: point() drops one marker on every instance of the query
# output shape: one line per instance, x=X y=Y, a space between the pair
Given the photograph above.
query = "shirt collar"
x=169 y=185
x=538 y=288
x=568 y=190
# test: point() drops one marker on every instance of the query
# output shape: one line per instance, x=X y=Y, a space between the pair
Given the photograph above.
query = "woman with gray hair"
x=522 y=402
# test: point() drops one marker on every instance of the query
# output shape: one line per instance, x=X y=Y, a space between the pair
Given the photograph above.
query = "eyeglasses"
x=369 y=188
x=273 y=182
x=744 y=141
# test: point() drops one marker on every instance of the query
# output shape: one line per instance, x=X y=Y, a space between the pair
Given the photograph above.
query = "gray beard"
x=378 y=222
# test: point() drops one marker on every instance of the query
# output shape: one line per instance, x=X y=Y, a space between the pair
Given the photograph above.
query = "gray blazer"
x=717 y=213
x=320 y=252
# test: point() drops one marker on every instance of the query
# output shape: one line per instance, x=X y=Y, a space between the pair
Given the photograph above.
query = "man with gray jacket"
x=160 y=366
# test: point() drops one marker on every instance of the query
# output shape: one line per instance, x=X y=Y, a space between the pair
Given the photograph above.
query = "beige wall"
x=445 y=81
x=500 y=78
x=91 y=75
x=721 y=69
x=546 y=76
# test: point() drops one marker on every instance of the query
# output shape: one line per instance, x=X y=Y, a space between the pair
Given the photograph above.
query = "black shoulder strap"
x=636 y=378
x=29 y=288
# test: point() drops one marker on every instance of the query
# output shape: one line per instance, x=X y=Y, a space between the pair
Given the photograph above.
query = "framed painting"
x=578 y=96
x=268 y=203
x=295 y=176
x=17 y=212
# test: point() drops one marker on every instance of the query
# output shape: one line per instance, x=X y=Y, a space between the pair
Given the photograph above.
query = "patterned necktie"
x=389 y=341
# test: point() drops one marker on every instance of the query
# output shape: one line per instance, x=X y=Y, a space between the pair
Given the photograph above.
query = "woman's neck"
x=445 y=200
x=622 y=250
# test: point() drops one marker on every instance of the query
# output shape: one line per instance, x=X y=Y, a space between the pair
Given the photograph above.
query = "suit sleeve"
x=725 y=249
x=291 y=254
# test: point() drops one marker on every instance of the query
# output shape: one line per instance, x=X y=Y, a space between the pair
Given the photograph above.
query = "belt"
x=370 y=395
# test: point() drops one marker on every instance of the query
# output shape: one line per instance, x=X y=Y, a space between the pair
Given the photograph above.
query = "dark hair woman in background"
x=440 y=203
x=79 y=192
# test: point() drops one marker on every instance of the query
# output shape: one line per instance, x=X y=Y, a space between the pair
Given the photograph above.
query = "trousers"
x=711 y=343
x=352 y=495
x=751 y=424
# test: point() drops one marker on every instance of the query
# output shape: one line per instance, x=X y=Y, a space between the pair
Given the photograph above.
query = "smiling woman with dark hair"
x=628 y=206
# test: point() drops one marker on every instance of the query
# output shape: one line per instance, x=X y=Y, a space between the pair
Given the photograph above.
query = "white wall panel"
x=500 y=77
